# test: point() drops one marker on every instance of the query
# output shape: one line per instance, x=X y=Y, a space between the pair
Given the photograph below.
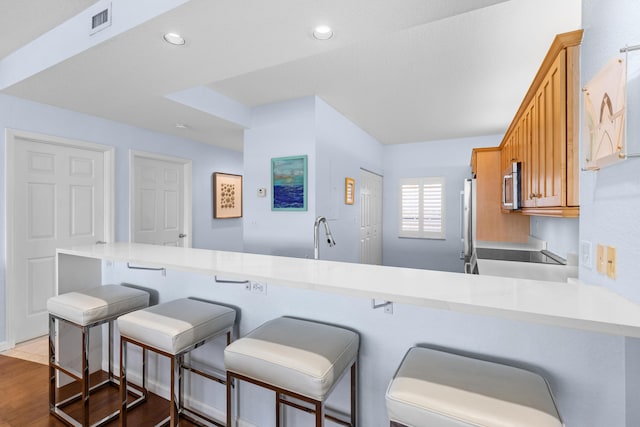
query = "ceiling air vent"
x=101 y=20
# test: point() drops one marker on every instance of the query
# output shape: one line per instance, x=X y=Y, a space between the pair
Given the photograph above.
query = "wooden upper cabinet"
x=491 y=223
x=551 y=135
x=530 y=151
x=544 y=133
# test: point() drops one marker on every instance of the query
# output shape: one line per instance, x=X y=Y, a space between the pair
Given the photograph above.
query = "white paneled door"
x=159 y=199
x=58 y=200
x=370 y=218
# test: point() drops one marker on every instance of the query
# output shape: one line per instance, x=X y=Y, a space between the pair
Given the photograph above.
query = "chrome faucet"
x=316 y=240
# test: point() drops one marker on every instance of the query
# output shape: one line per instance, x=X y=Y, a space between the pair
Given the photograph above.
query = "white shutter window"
x=422 y=208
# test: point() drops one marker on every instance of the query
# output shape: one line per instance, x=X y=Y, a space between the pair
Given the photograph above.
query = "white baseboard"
x=4 y=345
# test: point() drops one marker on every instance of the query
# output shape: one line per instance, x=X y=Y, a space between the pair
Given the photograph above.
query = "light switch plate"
x=601 y=259
x=611 y=262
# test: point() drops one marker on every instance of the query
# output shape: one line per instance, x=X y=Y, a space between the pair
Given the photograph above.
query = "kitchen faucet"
x=316 y=240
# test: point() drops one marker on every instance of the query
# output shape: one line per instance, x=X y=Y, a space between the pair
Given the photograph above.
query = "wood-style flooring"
x=24 y=399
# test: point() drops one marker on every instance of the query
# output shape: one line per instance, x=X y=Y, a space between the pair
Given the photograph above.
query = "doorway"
x=160 y=200
x=59 y=193
x=370 y=218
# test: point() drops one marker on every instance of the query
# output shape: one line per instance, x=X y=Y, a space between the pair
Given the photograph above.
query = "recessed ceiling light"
x=323 y=32
x=181 y=126
x=174 y=38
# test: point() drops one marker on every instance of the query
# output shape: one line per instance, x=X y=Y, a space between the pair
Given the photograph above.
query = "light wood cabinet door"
x=549 y=141
x=529 y=167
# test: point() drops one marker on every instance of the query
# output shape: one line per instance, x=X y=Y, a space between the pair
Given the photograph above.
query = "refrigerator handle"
x=462 y=216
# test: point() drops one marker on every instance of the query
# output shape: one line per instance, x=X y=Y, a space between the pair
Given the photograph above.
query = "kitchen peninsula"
x=517 y=320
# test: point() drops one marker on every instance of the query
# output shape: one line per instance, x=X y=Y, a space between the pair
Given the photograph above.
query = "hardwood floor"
x=25 y=399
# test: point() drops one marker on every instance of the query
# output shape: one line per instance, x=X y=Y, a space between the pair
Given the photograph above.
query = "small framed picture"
x=349 y=191
x=289 y=183
x=227 y=195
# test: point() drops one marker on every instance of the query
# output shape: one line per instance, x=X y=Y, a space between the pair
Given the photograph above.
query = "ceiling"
x=403 y=70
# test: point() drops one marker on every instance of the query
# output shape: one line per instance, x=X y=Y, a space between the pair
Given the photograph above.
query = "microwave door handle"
x=504 y=189
x=462 y=216
x=514 y=191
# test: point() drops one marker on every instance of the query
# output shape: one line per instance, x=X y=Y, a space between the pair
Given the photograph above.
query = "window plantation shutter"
x=410 y=208
x=422 y=207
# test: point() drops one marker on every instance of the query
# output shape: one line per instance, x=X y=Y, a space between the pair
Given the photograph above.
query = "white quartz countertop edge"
x=573 y=305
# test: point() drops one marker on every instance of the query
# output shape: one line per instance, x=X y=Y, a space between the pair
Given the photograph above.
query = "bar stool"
x=173 y=329
x=86 y=309
x=433 y=387
x=296 y=359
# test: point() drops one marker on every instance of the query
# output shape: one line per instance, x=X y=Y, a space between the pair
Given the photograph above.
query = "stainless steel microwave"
x=512 y=187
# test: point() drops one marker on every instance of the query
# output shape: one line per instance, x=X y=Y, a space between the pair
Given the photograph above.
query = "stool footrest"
x=210 y=373
x=329 y=413
x=77 y=376
x=199 y=418
x=74 y=398
x=59 y=412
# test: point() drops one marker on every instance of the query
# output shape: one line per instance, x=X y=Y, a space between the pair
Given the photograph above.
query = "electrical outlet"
x=611 y=262
x=601 y=259
x=585 y=254
x=259 y=288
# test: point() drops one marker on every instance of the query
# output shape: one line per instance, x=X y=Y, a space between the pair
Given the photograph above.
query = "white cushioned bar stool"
x=437 y=388
x=86 y=309
x=173 y=329
x=297 y=359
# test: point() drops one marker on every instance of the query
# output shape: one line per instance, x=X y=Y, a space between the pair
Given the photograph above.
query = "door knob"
x=182 y=236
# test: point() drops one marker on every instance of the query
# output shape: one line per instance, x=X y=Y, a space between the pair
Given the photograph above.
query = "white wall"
x=342 y=148
x=336 y=148
x=278 y=130
x=610 y=198
x=208 y=233
x=448 y=158
x=561 y=234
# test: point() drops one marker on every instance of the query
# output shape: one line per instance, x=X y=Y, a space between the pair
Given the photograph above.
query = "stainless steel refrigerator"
x=468 y=226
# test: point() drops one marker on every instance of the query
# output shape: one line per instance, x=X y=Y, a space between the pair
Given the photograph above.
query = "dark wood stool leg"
x=319 y=413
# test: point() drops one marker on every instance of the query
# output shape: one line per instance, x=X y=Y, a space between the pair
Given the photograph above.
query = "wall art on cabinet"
x=349 y=191
x=289 y=183
x=604 y=116
x=227 y=195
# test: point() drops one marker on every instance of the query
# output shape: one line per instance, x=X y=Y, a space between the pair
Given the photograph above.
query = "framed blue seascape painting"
x=289 y=183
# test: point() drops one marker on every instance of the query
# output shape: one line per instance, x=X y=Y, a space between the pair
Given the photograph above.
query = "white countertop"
x=572 y=305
